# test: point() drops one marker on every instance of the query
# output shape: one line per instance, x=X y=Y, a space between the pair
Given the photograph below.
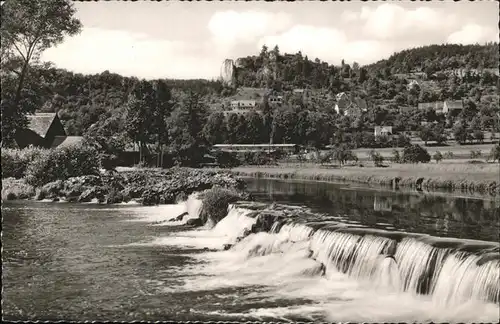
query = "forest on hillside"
x=119 y=110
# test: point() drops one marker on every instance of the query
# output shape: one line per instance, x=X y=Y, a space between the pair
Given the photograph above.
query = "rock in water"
x=194 y=222
x=179 y=218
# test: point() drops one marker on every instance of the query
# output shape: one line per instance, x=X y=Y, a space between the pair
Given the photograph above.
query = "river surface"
x=75 y=262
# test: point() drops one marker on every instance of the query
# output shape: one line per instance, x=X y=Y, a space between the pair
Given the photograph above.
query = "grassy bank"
x=483 y=178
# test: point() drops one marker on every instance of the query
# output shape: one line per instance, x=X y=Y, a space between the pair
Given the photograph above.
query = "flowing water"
x=129 y=262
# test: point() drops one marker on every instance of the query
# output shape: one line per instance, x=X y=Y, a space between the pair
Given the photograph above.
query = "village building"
x=455 y=106
x=41 y=131
x=243 y=104
x=413 y=84
x=275 y=99
x=350 y=106
x=382 y=131
x=437 y=106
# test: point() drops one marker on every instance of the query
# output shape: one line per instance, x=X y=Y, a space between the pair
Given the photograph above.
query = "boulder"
x=179 y=218
x=114 y=197
x=53 y=189
x=194 y=222
x=92 y=193
x=150 y=198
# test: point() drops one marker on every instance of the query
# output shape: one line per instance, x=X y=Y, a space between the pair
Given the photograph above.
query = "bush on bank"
x=61 y=164
x=13 y=189
x=15 y=162
x=215 y=203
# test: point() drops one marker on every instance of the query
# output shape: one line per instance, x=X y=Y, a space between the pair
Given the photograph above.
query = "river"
x=75 y=262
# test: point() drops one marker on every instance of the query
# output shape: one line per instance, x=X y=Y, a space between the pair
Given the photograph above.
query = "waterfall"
x=461 y=279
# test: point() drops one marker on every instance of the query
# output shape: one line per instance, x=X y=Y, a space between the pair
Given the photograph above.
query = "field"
x=459 y=151
x=483 y=178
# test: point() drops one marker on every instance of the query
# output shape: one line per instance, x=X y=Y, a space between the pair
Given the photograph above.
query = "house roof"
x=457 y=104
x=62 y=141
x=40 y=122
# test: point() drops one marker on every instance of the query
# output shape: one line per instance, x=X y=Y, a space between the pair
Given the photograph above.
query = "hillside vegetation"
x=181 y=115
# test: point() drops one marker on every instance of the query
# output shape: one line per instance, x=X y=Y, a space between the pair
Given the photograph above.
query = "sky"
x=190 y=40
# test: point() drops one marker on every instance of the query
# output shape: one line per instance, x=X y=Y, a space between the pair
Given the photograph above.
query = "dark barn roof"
x=62 y=141
x=40 y=122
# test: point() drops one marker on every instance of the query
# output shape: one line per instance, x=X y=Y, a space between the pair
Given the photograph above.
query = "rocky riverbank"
x=148 y=187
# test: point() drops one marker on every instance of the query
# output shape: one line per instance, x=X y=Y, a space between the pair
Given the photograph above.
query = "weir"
x=451 y=271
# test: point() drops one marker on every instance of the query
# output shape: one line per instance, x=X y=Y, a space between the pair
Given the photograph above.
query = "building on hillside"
x=437 y=106
x=406 y=109
x=453 y=106
x=412 y=84
x=348 y=105
x=272 y=99
x=42 y=130
x=243 y=104
x=382 y=130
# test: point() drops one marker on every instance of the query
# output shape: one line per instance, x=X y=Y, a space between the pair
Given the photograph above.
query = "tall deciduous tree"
x=185 y=126
x=27 y=29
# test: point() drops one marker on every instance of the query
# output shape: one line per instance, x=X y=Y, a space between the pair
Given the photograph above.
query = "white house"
x=275 y=99
x=452 y=106
x=383 y=130
x=243 y=104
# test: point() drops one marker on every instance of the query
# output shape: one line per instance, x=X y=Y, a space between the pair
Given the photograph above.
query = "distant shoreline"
x=483 y=179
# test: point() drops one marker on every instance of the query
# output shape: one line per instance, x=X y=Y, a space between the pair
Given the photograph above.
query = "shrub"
x=15 y=162
x=449 y=155
x=495 y=153
x=437 y=156
x=342 y=153
x=474 y=154
x=396 y=157
x=377 y=158
x=63 y=163
x=16 y=189
x=215 y=203
x=255 y=158
x=415 y=154
x=226 y=159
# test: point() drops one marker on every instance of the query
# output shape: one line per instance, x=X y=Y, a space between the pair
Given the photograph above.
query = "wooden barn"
x=43 y=128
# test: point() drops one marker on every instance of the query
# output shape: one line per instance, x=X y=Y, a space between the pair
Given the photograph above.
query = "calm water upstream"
x=65 y=261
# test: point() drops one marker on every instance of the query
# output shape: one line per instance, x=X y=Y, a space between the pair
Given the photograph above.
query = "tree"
x=474 y=154
x=396 y=157
x=162 y=108
x=495 y=153
x=461 y=132
x=27 y=29
x=342 y=153
x=214 y=130
x=185 y=126
x=437 y=156
x=140 y=115
x=426 y=134
x=415 y=153
x=478 y=135
x=377 y=158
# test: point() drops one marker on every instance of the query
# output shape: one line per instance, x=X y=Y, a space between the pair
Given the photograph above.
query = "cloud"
x=472 y=33
x=96 y=50
x=328 y=44
x=231 y=27
x=391 y=21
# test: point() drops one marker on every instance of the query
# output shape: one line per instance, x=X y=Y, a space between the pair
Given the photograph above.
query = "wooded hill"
x=82 y=100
